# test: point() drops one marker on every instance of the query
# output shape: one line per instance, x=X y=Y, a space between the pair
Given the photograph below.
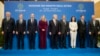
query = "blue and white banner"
x=50 y=8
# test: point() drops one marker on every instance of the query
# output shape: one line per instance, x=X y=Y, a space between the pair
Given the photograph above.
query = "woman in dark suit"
x=42 y=32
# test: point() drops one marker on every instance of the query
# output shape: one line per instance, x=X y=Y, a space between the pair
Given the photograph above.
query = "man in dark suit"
x=32 y=30
x=93 y=31
x=20 y=31
x=82 y=31
x=64 y=27
x=8 y=25
x=54 y=31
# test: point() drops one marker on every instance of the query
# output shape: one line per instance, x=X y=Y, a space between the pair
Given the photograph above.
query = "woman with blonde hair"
x=43 y=25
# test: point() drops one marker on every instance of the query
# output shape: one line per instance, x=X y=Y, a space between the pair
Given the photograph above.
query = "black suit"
x=32 y=28
x=82 y=31
x=8 y=28
x=20 y=28
x=94 y=33
x=64 y=27
x=54 y=29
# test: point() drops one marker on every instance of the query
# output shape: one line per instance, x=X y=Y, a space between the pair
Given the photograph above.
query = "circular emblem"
x=20 y=6
x=80 y=6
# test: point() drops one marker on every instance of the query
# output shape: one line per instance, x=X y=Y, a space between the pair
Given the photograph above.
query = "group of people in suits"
x=58 y=30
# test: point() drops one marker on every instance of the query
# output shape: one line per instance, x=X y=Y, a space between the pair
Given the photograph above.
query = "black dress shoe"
x=65 y=47
x=96 y=47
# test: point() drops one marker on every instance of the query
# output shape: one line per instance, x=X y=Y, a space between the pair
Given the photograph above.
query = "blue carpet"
x=52 y=52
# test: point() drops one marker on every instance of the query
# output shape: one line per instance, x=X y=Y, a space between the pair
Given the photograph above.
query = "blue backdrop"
x=48 y=9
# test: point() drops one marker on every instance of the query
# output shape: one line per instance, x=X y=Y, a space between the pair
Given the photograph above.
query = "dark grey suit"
x=32 y=27
x=20 y=28
x=64 y=27
x=54 y=29
x=94 y=33
x=82 y=31
x=8 y=28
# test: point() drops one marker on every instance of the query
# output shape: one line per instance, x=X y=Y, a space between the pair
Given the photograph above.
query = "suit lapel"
x=54 y=23
x=83 y=23
x=92 y=22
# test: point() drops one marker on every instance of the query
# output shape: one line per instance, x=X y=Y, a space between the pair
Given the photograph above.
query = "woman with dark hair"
x=73 y=31
x=42 y=32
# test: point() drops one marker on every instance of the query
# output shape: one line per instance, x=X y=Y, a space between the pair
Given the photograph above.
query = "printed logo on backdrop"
x=20 y=8
x=81 y=8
